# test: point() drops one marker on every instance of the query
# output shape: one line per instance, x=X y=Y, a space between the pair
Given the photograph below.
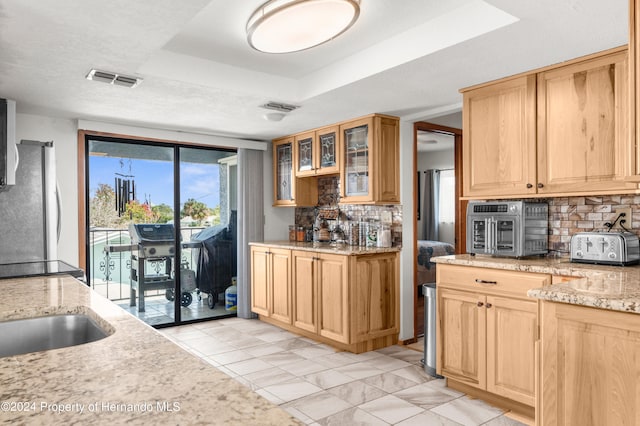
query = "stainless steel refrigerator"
x=30 y=209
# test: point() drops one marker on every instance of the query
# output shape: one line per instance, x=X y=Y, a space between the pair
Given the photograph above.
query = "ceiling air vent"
x=113 y=78
x=277 y=106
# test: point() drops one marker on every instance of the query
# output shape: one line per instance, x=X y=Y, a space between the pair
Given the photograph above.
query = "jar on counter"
x=292 y=233
x=353 y=237
x=300 y=234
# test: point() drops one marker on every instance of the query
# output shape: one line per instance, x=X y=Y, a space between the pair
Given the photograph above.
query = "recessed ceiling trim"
x=113 y=78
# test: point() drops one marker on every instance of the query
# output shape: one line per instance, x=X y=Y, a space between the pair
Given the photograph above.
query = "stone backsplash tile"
x=568 y=215
x=328 y=198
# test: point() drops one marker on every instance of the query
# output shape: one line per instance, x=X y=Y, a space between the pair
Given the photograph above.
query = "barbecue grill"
x=152 y=256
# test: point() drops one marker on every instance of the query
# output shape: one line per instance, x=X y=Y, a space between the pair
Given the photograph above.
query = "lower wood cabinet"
x=347 y=301
x=487 y=333
x=590 y=366
x=271 y=283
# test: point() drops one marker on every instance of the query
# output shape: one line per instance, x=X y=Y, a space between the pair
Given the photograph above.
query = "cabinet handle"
x=540 y=185
x=488 y=305
x=479 y=281
x=267 y=252
x=529 y=186
x=480 y=304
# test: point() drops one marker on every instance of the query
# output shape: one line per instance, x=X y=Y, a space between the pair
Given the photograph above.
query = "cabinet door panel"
x=260 y=280
x=281 y=285
x=499 y=133
x=304 y=291
x=584 y=142
x=333 y=297
x=462 y=336
x=512 y=330
x=590 y=366
x=374 y=298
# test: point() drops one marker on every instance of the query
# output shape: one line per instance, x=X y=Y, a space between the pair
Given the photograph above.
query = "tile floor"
x=321 y=386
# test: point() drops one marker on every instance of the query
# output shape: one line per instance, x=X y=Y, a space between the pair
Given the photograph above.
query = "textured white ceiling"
x=406 y=58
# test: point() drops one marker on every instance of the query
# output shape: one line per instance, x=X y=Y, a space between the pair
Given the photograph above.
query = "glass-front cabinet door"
x=316 y=152
x=305 y=154
x=357 y=159
x=283 y=168
x=327 y=149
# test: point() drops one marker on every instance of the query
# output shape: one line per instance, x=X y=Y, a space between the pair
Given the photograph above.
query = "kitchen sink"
x=49 y=332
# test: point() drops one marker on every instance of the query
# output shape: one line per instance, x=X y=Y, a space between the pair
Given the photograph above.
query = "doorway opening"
x=161 y=228
x=439 y=227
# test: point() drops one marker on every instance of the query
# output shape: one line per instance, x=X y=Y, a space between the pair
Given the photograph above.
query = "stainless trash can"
x=429 y=361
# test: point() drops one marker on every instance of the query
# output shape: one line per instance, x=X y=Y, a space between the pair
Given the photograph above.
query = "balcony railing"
x=110 y=273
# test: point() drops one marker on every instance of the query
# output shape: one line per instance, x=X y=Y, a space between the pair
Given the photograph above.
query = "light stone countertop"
x=331 y=248
x=134 y=376
x=607 y=287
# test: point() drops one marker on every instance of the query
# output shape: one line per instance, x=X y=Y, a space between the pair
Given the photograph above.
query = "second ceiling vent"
x=113 y=78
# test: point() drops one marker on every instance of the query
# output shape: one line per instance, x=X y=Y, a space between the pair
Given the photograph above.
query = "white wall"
x=63 y=133
x=276 y=219
x=407 y=288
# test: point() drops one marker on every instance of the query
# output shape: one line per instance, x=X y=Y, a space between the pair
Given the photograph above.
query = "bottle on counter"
x=354 y=233
x=372 y=234
x=292 y=233
x=384 y=236
x=300 y=234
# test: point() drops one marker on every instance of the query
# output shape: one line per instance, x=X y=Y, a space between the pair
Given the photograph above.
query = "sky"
x=154 y=179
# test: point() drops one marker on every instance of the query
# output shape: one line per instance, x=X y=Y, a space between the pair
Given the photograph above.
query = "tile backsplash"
x=329 y=196
x=568 y=215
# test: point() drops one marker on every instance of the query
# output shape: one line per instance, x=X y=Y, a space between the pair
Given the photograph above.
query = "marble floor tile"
x=291 y=344
x=320 y=385
x=264 y=349
x=424 y=396
x=391 y=409
x=305 y=366
x=292 y=390
x=275 y=336
x=468 y=412
x=314 y=351
x=243 y=368
x=319 y=405
x=359 y=370
x=231 y=357
x=208 y=347
x=357 y=392
x=387 y=363
x=352 y=417
x=414 y=373
x=282 y=358
x=389 y=382
x=271 y=376
x=427 y=418
x=328 y=378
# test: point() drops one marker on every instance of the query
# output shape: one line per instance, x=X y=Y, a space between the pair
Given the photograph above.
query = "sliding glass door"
x=161 y=234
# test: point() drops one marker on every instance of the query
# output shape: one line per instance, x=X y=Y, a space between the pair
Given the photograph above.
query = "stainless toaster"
x=605 y=248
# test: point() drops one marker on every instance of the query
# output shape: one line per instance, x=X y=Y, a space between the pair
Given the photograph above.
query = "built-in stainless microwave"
x=507 y=228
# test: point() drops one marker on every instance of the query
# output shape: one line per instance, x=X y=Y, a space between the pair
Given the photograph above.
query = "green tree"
x=139 y=213
x=102 y=208
x=163 y=212
x=196 y=209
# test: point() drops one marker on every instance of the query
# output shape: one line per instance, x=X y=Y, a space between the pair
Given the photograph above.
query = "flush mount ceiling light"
x=113 y=78
x=284 y=26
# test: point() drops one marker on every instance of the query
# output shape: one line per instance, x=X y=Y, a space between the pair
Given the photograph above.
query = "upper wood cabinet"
x=370 y=160
x=317 y=152
x=563 y=130
x=288 y=190
x=584 y=143
x=499 y=145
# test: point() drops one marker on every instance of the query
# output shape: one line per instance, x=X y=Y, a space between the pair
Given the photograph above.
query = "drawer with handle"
x=489 y=280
